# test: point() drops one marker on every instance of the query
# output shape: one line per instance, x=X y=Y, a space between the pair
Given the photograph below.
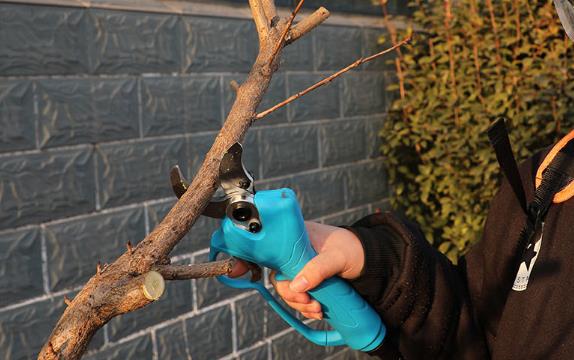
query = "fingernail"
x=299 y=284
x=316 y=306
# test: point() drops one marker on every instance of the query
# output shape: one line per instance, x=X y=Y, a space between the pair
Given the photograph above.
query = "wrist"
x=354 y=253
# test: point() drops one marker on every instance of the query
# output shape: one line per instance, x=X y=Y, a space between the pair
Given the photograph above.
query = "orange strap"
x=568 y=191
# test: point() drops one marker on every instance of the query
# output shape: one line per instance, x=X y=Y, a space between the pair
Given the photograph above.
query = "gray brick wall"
x=96 y=105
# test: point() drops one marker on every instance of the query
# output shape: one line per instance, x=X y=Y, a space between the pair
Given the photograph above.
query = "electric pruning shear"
x=267 y=228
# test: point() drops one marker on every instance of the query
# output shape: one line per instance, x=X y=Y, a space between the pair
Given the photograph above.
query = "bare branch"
x=261 y=22
x=136 y=278
x=281 y=41
x=130 y=248
x=195 y=271
x=234 y=85
x=307 y=24
x=129 y=283
x=269 y=9
x=330 y=78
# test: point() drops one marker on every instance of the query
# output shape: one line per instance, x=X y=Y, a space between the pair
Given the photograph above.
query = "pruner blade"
x=216 y=207
x=178 y=183
x=232 y=173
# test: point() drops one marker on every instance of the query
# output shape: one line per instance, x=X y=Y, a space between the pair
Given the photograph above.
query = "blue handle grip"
x=283 y=245
x=319 y=337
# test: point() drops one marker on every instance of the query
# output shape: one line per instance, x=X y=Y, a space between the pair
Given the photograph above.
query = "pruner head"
x=235 y=196
x=565 y=11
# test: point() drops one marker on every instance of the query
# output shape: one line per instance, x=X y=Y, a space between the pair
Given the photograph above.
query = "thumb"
x=321 y=267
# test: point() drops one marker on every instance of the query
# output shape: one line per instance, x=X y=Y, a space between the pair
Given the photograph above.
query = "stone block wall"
x=97 y=102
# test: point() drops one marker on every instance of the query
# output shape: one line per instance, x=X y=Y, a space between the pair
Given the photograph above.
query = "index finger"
x=239 y=268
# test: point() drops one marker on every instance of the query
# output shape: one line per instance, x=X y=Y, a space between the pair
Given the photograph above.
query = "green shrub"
x=508 y=59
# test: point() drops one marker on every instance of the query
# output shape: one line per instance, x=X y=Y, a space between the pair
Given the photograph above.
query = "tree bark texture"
x=116 y=289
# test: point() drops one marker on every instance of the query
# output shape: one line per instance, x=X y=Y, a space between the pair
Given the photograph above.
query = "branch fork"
x=137 y=277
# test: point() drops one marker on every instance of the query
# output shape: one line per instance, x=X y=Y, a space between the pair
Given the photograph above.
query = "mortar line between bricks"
x=341 y=94
x=84 y=215
x=48 y=150
x=102 y=76
x=146 y=219
x=182 y=317
x=154 y=345
x=320 y=129
x=267 y=340
x=178 y=258
x=94 y=213
x=97 y=202
x=106 y=335
x=140 y=107
x=314 y=52
x=194 y=292
x=330 y=357
x=318 y=121
x=145 y=139
x=289 y=110
x=44 y=254
x=234 y=355
x=166 y=199
x=328 y=168
x=233 y=329
x=20 y=228
x=347 y=19
x=346 y=199
x=184 y=135
x=31 y=301
x=222 y=113
x=186 y=339
x=36 y=115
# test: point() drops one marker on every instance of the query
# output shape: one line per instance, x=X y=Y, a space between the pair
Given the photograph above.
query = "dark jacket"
x=435 y=310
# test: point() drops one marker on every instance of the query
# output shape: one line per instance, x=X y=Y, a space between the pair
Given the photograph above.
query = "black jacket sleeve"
x=421 y=296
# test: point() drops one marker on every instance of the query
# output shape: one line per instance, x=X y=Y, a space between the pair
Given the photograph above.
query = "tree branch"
x=119 y=287
x=261 y=22
x=307 y=25
x=269 y=9
x=330 y=78
x=136 y=278
x=195 y=271
x=281 y=41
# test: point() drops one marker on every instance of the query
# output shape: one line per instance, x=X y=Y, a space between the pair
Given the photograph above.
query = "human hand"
x=339 y=252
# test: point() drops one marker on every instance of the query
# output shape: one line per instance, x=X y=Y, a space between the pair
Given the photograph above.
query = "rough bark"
x=117 y=288
x=122 y=286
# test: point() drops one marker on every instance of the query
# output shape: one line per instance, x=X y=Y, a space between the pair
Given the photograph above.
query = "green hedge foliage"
x=487 y=59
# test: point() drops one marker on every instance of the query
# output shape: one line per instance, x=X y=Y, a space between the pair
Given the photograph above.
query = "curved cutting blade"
x=232 y=173
x=216 y=207
x=178 y=182
x=566 y=14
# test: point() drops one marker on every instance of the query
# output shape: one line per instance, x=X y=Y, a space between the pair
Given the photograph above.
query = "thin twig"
x=234 y=85
x=286 y=31
x=398 y=61
x=330 y=78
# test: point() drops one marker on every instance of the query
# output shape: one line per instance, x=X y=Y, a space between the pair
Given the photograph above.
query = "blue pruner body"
x=282 y=244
